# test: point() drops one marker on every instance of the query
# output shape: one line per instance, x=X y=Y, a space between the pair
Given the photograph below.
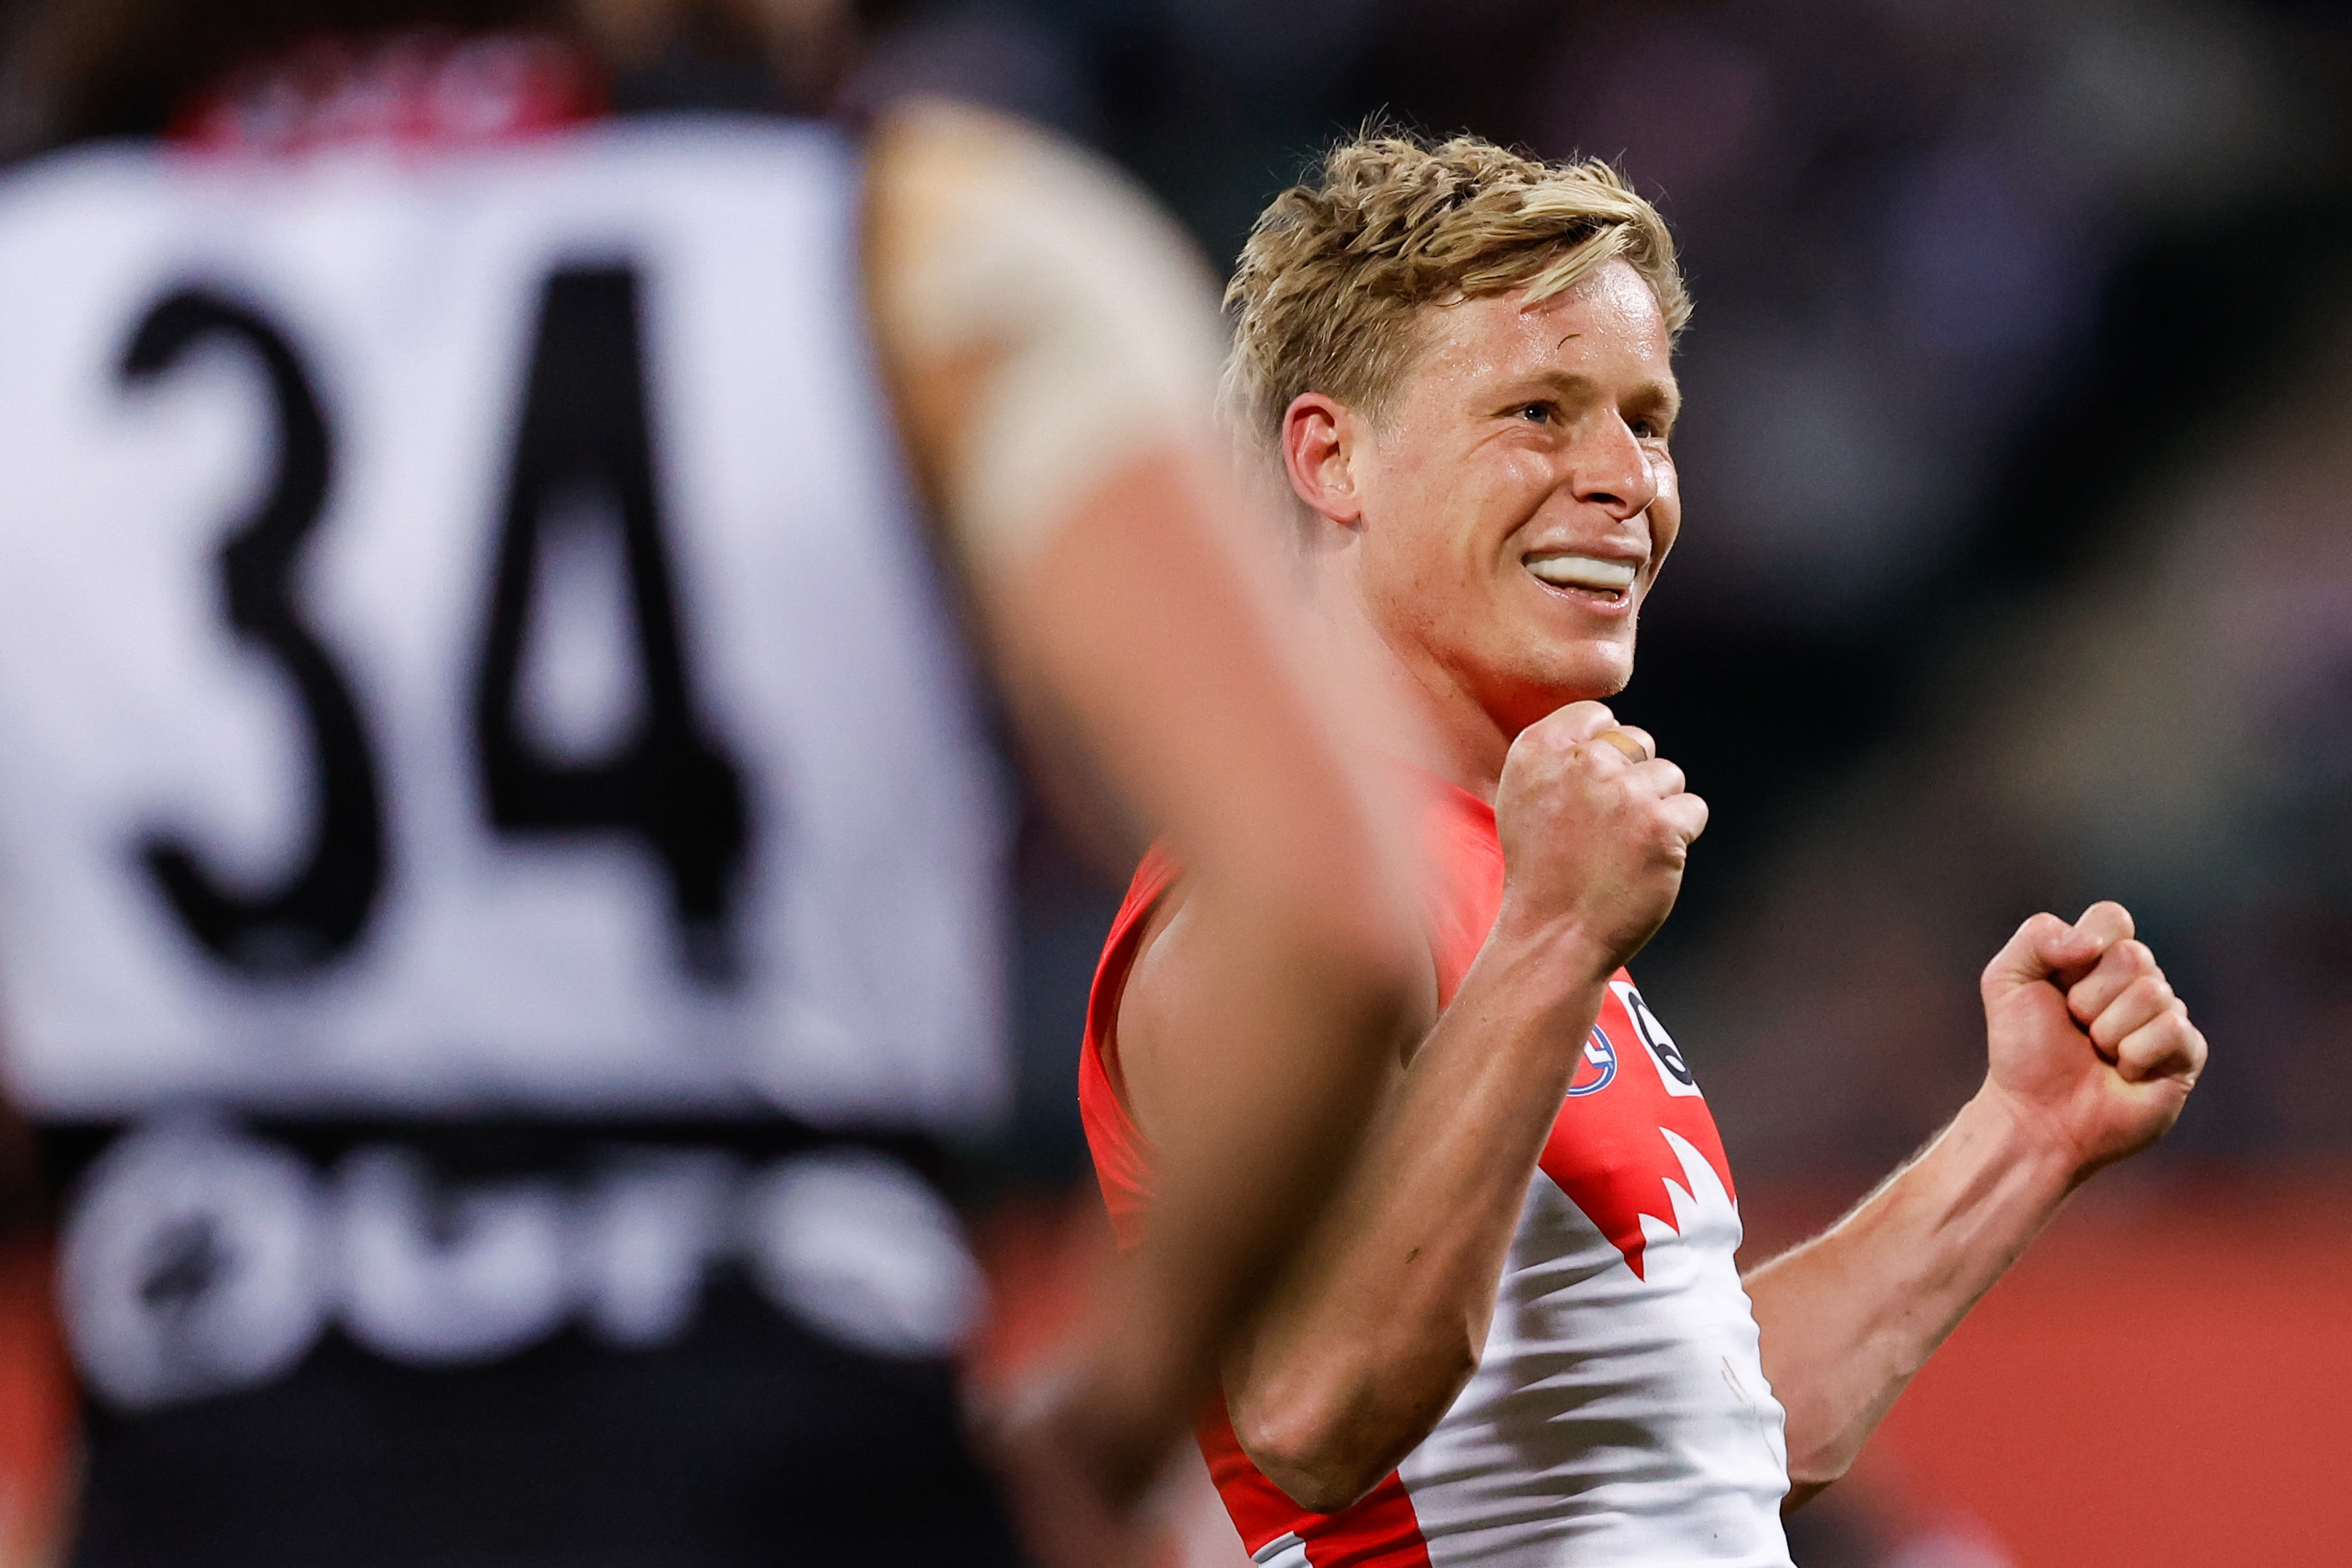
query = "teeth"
x=1584 y=571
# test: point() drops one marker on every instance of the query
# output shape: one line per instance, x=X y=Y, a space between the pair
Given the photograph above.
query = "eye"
x=1533 y=413
x=1648 y=427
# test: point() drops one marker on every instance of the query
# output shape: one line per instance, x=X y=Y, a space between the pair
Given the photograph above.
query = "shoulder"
x=1043 y=321
x=940 y=169
x=983 y=231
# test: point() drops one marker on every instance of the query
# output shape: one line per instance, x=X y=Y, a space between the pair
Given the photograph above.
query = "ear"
x=1320 y=442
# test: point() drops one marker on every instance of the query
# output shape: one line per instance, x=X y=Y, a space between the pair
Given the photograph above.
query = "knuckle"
x=1587 y=718
x=1553 y=728
x=1550 y=752
x=1558 y=727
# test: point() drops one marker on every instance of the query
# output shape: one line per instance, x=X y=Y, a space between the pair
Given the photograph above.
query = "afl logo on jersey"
x=1598 y=1067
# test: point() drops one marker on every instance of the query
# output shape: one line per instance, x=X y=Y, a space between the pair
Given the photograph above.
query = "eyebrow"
x=1665 y=396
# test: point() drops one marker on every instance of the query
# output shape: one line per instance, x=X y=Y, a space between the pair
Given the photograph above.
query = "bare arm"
x=2092 y=1058
x=1180 y=695
x=1376 y=1327
x=1044 y=339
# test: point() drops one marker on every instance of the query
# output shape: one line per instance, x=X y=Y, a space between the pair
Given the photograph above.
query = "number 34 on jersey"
x=463 y=642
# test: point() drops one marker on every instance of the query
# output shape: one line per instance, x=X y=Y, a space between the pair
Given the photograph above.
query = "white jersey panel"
x=1614 y=1417
x=506 y=959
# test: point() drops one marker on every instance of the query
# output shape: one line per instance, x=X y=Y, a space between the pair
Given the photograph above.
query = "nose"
x=1611 y=469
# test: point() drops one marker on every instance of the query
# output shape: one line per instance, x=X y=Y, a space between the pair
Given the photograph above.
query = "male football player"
x=505 y=847
x=1518 y=1337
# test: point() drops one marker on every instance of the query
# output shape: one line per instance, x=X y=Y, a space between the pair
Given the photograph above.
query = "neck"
x=1420 y=712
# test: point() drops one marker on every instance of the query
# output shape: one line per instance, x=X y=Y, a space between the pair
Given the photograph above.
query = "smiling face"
x=1508 y=513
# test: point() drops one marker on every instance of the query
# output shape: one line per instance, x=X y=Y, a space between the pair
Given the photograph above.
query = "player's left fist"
x=2085 y=1037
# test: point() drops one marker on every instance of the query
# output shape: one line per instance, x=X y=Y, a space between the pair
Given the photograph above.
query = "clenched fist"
x=1593 y=840
x=2086 y=1038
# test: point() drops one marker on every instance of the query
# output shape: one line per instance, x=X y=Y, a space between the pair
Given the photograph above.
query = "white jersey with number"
x=465 y=645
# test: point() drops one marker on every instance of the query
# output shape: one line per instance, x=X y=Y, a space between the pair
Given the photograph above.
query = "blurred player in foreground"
x=505 y=853
x=1518 y=1337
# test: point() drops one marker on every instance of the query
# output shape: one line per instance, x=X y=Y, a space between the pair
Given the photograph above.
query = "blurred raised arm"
x=1052 y=346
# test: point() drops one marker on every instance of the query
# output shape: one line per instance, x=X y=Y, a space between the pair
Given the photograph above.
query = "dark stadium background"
x=2017 y=572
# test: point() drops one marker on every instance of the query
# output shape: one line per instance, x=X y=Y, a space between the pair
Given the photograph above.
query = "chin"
x=1589 y=674
x=1528 y=695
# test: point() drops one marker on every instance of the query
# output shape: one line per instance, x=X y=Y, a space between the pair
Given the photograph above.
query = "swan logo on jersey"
x=1597 y=1068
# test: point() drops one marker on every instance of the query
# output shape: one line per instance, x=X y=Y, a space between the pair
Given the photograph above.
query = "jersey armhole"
x=1113 y=1066
x=1122 y=1154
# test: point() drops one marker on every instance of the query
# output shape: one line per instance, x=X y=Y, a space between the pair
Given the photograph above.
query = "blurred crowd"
x=2015 y=569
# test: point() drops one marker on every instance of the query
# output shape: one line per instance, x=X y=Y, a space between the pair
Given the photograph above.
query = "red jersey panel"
x=1620 y=1413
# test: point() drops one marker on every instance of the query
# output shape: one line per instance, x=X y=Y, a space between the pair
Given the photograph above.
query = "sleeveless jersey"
x=497 y=839
x=1618 y=1413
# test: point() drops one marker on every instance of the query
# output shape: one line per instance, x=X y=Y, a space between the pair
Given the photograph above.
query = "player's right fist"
x=1594 y=837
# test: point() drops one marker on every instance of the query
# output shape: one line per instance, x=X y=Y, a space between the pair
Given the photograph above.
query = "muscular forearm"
x=1848 y=1318
x=2090 y=1058
x=1376 y=1330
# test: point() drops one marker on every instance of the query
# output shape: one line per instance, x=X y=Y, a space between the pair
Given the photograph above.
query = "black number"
x=584 y=435
x=318 y=914
x=1662 y=1045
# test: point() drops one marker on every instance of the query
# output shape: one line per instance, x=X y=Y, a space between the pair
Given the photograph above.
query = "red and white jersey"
x=1618 y=1414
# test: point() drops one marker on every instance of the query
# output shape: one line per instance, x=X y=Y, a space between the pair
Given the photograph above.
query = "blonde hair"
x=1337 y=269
